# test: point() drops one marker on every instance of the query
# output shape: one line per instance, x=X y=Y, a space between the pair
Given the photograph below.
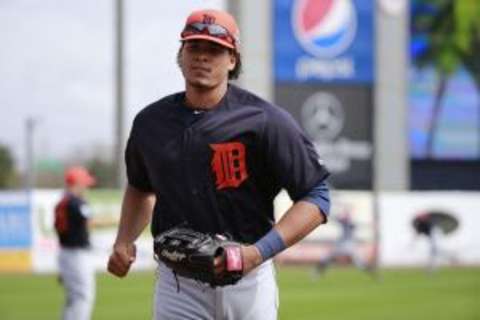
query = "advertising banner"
x=444 y=121
x=15 y=231
x=324 y=41
x=443 y=97
x=339 y=122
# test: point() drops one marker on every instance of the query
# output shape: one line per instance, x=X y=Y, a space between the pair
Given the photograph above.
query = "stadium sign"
x=323 y=41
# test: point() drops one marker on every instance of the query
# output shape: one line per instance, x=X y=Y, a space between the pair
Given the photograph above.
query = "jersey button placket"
x=189 y=161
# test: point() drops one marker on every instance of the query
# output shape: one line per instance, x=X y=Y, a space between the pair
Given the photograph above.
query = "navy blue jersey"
x=71 y=219
x=219 y=170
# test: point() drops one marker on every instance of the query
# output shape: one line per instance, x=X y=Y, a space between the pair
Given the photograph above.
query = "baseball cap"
x=79 y=175
x=212 y=25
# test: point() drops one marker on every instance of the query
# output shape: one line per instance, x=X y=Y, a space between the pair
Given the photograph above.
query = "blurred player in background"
x=214 y=157
x=77 y=273
x=345 y=247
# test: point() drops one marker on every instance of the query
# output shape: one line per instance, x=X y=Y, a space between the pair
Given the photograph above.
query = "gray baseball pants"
x=254 y=297
x=78 y=278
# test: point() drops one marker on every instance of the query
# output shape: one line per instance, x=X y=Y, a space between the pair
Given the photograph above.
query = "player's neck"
x=204 y=98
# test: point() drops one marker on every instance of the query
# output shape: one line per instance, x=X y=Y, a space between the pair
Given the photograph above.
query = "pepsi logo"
x=324 y=28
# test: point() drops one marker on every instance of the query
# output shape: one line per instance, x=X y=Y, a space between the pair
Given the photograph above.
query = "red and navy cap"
x=79 y=176
x=224 y=32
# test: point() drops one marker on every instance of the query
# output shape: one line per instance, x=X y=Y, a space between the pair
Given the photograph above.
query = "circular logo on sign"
x=323 y=116
x=324 y=28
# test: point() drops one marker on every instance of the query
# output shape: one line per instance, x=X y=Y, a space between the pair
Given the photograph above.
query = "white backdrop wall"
x=400 y=247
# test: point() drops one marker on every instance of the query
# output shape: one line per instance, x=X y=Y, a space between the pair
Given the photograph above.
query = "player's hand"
x=251 y=258
x=121 y=259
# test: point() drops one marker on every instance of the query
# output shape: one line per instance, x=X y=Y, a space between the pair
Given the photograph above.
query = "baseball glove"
x=192 y=254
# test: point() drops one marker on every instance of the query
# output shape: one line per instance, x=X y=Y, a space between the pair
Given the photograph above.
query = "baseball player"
x=214 y=157
x=77 y=274
x=345 y=246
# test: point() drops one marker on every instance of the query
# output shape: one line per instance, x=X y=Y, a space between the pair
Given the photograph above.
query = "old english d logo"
x=228 y=164
x=208 y=19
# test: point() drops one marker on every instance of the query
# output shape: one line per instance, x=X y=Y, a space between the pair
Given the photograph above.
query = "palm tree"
x=451 y=39
x=468 y=14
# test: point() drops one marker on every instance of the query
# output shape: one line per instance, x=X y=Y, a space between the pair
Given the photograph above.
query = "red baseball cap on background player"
x=78 y=176
x=212 y=25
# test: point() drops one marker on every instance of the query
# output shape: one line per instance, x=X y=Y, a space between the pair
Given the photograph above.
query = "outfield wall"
x=399 y=245
x=28 y=242
x=39 y=252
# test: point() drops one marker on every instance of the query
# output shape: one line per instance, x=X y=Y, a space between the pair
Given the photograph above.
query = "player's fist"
x=121 y=259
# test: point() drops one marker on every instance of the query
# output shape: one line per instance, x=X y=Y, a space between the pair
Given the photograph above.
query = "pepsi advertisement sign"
x=324 y=41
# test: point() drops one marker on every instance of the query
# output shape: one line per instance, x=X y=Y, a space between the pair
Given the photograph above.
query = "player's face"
x=78 y=189
x=206 y=64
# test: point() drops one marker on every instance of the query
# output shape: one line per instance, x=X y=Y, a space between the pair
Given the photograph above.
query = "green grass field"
x=343 y=294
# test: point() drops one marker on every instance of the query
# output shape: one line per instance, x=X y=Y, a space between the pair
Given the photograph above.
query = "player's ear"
x=233 y=60
x=179 y=56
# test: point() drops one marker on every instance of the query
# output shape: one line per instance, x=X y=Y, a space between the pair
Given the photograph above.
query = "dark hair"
x=233 y=74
